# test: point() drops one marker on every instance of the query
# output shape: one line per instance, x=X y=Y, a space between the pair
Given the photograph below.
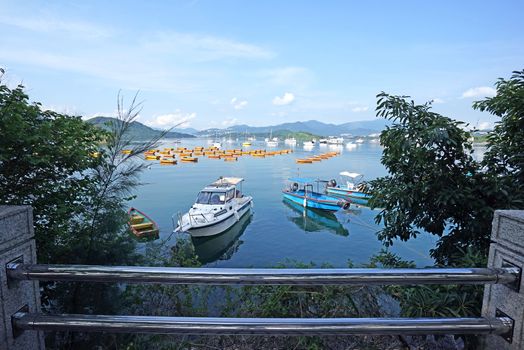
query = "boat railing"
x=501 y=321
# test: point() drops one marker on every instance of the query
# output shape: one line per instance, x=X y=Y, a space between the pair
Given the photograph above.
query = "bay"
x=277 y=231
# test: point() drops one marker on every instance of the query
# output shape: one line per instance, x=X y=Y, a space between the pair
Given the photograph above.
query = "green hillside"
x=137 y=131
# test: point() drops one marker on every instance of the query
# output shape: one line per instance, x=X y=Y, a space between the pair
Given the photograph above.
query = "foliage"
x=434 y=183
x=44 y=157
x=505 y=155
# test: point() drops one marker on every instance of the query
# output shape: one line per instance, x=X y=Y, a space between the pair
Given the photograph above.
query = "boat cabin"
x=221 y=191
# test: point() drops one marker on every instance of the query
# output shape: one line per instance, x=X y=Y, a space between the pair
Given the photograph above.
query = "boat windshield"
x=205 y=197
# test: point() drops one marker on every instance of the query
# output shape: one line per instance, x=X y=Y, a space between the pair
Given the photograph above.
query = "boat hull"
x=317 y=201
x=355 y=196
x=222 y=225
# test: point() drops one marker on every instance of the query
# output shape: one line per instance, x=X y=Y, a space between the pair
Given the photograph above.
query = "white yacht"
x=332 y=140
x=272 y=141
x=290 y=141
x=359 y=140
x=218 y=206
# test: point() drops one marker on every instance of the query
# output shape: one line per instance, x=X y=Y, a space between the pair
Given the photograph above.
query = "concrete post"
x=507 y=249
x=17 y=242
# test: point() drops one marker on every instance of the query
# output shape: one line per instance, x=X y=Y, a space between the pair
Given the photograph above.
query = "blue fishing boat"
x=301 y=190
x=351 y=187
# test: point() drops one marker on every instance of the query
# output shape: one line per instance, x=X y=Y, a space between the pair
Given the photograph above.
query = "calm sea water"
x=277 y=230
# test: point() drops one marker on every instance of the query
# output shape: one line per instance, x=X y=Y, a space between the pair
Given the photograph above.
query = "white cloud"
x=480 y=91
x=286 y=99
x=438 y=101
x=176 y=119
x=238 y=104
x=229 y=122
x=291 y=77
x=45 y=24
x=359 y=109
x=203 y=47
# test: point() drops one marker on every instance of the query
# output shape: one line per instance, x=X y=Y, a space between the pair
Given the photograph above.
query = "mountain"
x=358 y=128
x=138 y=131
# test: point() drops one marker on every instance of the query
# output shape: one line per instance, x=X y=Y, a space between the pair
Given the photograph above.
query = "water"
x=277 y=231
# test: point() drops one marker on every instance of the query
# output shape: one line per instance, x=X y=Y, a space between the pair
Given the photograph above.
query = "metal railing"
x=22 y=320
x=218 y=276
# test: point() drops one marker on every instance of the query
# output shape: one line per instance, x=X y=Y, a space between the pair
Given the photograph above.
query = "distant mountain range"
x=137 y=130
x=359 y=128
x=140 y=131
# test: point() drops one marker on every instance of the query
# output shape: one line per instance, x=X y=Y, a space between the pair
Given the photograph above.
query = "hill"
x=315 y=127
x=137 y=130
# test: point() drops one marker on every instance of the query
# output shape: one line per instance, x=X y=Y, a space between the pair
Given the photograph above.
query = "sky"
x=217 y=63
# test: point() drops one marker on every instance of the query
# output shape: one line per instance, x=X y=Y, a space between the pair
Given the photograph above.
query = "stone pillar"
x=17 y=242
x=507 y=249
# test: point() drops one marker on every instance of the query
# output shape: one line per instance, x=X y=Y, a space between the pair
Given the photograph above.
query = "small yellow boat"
x=247 y=144
x=304 y=161
x=230 y=159
x=169 y=161
x=213 y=156
x=142 y=225
x=152 y=157
x=126 y=151
x=189 y=159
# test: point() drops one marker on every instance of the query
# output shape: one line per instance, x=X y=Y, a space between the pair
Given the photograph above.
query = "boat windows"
x=230 y=195
x=211 y=198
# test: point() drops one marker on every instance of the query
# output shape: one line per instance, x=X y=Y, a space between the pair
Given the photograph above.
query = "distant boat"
x=359 y=140
x=309 y=143
x=290 y=141
x=351 y=145
x=323 y=141
x=246 y=143
x=335 y=140
x=301 y=191
x=351 y=187
x=142 y=225
x=272 y=141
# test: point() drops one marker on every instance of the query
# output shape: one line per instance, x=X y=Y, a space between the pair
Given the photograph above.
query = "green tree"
x=434 y=184
x=44 y=156
x=505 y=155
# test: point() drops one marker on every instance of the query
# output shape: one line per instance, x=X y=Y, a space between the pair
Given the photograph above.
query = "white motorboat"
x=218 y=206
x=359 y=140
x=351 y=145
x=309 y=143
x=335 y=140
x=290 y=141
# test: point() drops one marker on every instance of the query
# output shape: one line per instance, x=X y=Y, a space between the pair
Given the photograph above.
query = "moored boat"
x=218 y=206
x=352 y=187
x=301 y=191
x=142 y=225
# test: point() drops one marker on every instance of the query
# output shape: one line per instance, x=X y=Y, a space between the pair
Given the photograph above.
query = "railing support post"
x=507 y=249
x=17 y=243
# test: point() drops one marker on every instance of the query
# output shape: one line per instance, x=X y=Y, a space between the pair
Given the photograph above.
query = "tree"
x=434 y=183
x=44 y=157
x=505 y=155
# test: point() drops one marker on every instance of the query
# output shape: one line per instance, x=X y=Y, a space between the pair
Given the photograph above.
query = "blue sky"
x=219 y=63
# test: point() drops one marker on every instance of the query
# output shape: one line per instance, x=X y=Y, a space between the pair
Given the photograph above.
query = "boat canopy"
x=347 y=173
x=302 y=180
x=228 y=181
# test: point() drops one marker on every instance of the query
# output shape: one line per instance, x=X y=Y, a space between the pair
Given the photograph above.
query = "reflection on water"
x=222 y=246
x=311 y=220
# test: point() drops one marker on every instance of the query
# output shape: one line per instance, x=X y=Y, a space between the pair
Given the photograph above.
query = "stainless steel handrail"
x=220 y=276
x=260 y=326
